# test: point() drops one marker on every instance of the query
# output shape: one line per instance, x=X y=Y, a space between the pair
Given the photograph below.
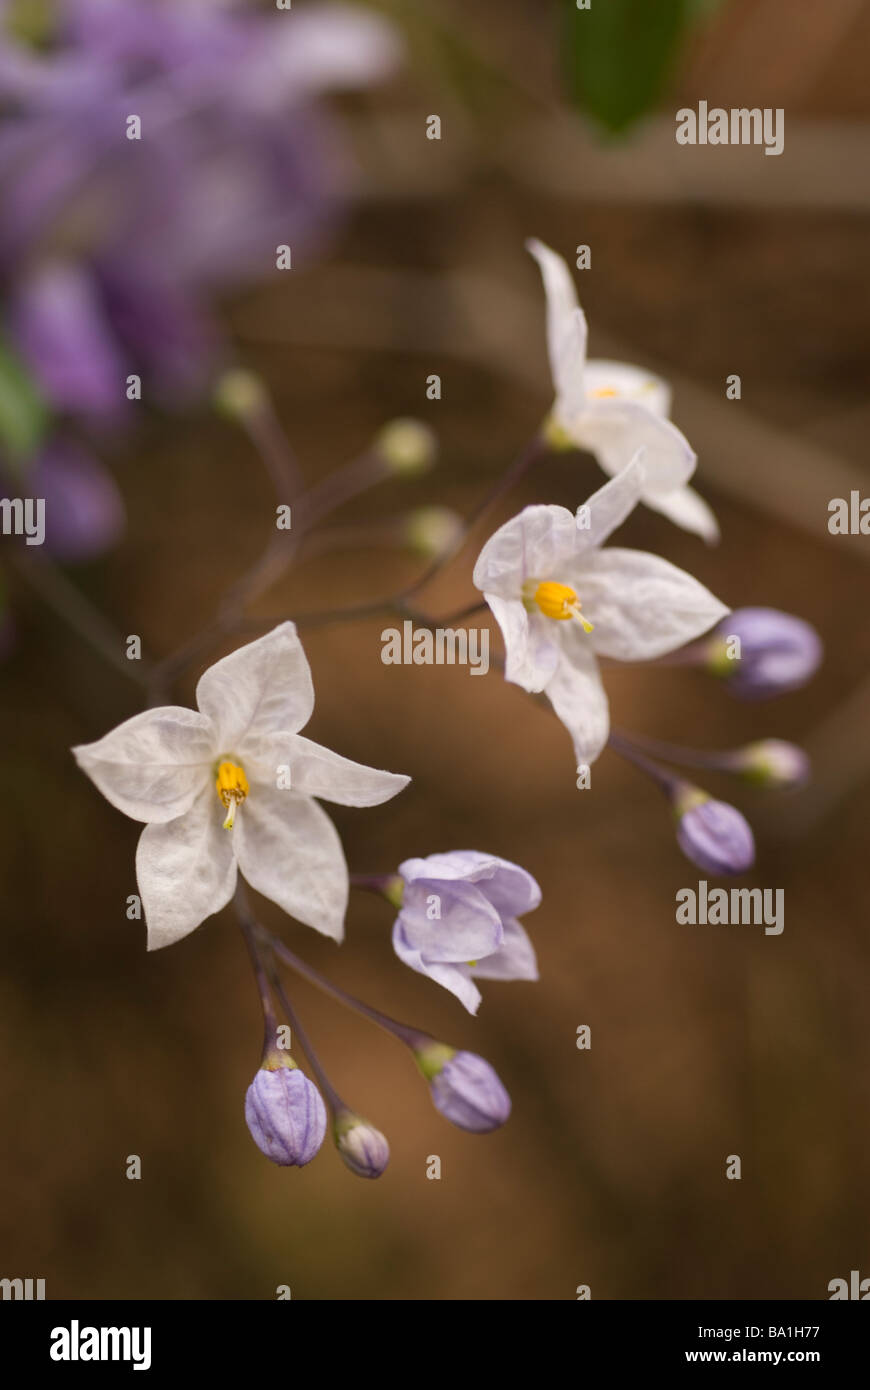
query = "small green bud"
x=408 y=447
x=239 y=393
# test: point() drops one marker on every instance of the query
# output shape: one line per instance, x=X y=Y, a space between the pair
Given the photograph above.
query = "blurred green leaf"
x=701 y=9
x=23 y=416
x=619 y=53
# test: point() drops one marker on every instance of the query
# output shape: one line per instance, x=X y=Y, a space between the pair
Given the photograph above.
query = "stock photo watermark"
x=23 y=516
x=739 y=125
x=440 y=646
x=732 y=907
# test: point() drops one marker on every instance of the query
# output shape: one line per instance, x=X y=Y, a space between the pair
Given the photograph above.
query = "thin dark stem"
x=333 y=1099
x=323 y=616
x=250 y=931
x=317 y=503
x=264 y=430
x=693 y=654
x=667 y=781
x=424 y=619
x=398 y=602
x=371 y=883
x=390 y=604
x=411 y=1036
x=715 y=759
x=364 y=536
x=341 y=486
x=77 y=611
x=534 y=451
x=281 y=548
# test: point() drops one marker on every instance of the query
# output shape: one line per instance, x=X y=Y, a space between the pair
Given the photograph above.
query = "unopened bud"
x=773 y=763
x=432 y=530
x=239 y=393
x=777 y=652
x=407 y=446
x=363 y=1148
x=464 y=1087
x=713 y=834
x=285 y=1114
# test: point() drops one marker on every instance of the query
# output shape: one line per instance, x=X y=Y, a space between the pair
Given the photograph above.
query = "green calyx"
x=687 y=798
x=557 y=437
x=345 y=1121
x=719 y=661
x=277 y=1058
x=431 y=1058
x=393 y=890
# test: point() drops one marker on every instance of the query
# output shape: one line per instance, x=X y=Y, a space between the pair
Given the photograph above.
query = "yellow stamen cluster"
x=232 y=788
x=601 y=392
x=559 y=601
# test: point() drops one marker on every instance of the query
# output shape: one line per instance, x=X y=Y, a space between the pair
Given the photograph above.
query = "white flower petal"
x=456 y=978
x=326 y=46
x=288 y=850
x=152 y=766
x=466 y=928
x=687 y=509
x=643 y=606
x=608 y=508
x=261 y=688
x=534 y=544
x=185 y=870
x=566 y=327
x=531 y=648
x=578 y=697
x=510 y=888
x=602 y=378
x=614 y=430
x=317 y=771
x=514 y=960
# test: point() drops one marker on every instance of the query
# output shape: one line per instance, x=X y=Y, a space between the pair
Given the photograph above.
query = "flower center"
x=601 y=392
x=232 y=788
x=558 y=601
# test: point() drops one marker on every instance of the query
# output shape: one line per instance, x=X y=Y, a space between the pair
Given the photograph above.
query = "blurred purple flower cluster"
x=111 y=248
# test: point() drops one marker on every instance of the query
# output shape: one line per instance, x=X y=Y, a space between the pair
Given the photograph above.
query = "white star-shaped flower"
x=613 y=409
x=229 y=788
x=561 y=601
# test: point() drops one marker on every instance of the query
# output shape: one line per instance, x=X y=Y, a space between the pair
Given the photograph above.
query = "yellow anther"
x=559 y=601
x=232 y=788
x=601 y=391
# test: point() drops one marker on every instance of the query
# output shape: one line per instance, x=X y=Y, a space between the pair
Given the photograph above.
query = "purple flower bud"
x=363 y=1148
x=62 y=332
x=714 y=835
x=286 y=1115
x=778 y=652
x=84 y=513
x=773 y=763
x=465 y=1088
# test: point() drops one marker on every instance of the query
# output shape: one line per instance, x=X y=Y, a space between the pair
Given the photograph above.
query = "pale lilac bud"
x=713 y=834
x=771 y=762
x=363 y=1148
x=778 y=652
x=464 y=1087
x=285 y=1114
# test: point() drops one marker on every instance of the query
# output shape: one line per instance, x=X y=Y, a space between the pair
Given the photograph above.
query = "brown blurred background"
x=706 y=1041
